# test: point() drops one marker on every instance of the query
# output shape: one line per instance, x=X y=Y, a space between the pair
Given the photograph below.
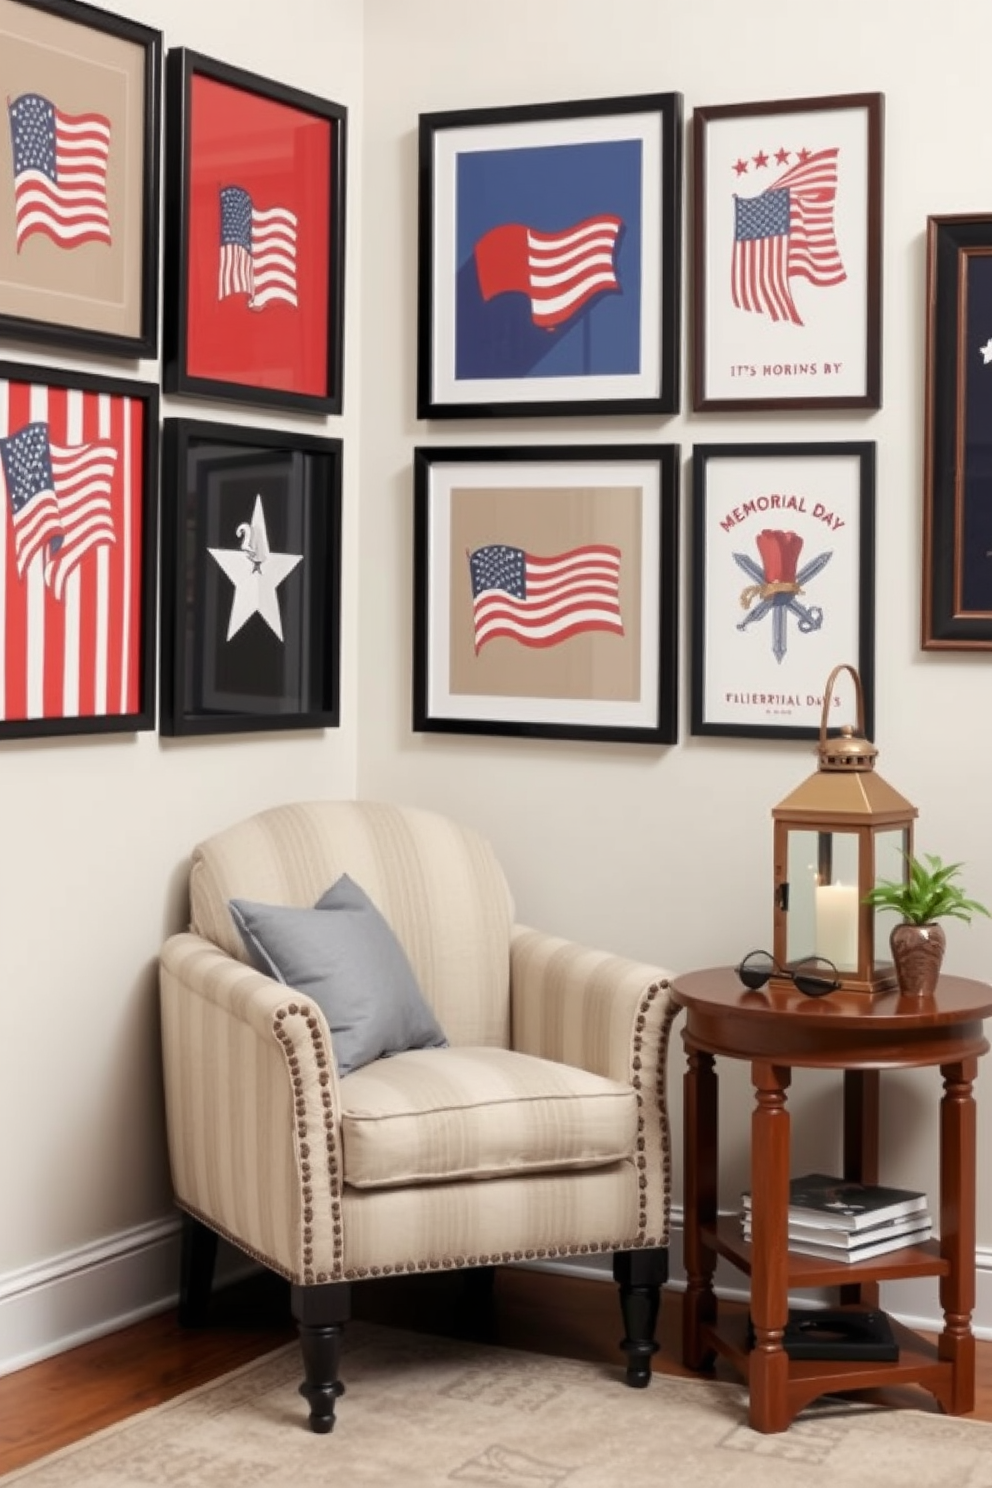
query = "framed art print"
x=79 y=178
x=255 y=197
x=78 y=552
x=957 y=525
x=783 y=562
x=549 y=264
x=251 y=579
x=787 y=252
x=546 y=591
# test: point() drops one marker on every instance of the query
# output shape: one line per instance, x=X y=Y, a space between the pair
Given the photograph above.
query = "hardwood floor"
x=56 y=1402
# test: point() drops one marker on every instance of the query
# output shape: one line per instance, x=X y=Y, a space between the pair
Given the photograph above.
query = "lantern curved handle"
x=858 y=693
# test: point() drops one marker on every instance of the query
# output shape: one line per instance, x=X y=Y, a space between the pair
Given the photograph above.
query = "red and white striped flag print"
x=60 y=172
x=70 y=593
x=559 y=272
x=544 y=601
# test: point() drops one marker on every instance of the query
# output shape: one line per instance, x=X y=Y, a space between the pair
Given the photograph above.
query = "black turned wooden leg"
x=320 y=1313
x=640 y=1275
x=196 y=1272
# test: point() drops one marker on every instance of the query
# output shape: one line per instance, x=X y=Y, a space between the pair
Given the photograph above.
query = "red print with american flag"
x=786 y=232
x=70 y=552
x=542 y=601
x=60 y=172
x=559 y=272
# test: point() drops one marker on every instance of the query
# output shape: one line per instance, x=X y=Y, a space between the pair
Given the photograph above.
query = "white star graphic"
x=986 y=351
x=255 y=573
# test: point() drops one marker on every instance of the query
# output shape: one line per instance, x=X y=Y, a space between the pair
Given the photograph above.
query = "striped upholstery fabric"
x=272 y=1150
x=454 y=1114
x=437 y=883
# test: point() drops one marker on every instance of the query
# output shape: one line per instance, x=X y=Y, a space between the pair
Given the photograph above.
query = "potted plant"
x=928 y=895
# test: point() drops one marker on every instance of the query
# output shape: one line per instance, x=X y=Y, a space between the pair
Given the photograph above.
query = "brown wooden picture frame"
x=957 y=510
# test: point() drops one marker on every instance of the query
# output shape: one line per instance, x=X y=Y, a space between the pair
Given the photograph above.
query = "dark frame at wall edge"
x=668 y=397
x=667 y=456
x=148 y=504
x=181 y=64
x=76 y=338
x=951 y=362
x=174 y=719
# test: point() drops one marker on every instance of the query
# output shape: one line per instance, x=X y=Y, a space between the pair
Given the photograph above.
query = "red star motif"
x=803 y=156
x=740 y=166
x=761 y=160
x=781 y=157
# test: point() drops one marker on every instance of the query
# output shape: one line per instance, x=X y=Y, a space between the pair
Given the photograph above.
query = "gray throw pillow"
x=344 y=955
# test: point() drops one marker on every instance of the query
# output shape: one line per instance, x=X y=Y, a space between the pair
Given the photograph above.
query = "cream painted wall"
x=665 y=853
x=96 y=833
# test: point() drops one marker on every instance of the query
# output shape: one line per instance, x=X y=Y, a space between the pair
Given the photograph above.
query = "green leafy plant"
x=929 y=893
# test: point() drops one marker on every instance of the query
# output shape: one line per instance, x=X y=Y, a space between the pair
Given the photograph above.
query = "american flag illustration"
x=60 y=499
x=257 y=250
x=71 y=482
x=543 y=601
x=559 y=272
x=60 y=172
x=786 y=233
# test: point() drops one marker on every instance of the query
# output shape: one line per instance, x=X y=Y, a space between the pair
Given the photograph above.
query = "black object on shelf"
x=837 y=1333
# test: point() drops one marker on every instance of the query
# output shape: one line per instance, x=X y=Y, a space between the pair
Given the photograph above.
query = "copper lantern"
x=836 y=836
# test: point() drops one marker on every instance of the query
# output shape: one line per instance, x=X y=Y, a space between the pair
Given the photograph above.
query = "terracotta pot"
x=917 y=955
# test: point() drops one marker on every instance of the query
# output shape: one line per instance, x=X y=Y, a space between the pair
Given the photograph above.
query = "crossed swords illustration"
x=810 y=617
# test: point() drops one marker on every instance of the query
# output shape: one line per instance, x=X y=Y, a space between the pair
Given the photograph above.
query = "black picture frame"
x=246 y=647
x=764 y=675
x=787 y=254
x=497 y=337
x=957 y=531
x=72 y=69
x=78 y=552
x=493 y=651
x=255 y=239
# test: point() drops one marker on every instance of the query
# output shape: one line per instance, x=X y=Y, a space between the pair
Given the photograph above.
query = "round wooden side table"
x=861 y=1035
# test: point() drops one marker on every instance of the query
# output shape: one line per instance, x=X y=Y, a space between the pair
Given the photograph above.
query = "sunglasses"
x=814 y=976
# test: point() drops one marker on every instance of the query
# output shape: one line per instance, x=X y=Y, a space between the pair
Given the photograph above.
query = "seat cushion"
x=435 y=1114
x=344 y=955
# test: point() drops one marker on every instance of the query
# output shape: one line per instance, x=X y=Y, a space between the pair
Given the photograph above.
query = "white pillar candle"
x=837 y=924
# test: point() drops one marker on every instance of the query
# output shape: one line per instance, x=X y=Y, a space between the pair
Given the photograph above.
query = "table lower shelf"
x=918 y=1364
x=809 y=1271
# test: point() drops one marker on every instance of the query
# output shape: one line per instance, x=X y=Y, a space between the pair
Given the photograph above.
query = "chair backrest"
x=438 y=884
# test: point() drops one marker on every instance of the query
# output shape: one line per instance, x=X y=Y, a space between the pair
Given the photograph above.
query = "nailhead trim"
x=303 y=1011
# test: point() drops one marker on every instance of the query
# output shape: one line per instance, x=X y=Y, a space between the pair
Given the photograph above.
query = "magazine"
x=846 y=1205
x=861 y=1252
x=836 y=1239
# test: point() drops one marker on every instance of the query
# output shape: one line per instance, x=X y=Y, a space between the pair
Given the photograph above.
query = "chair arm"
x=252 y=1108
x=600 y=1012
x=612 y=1016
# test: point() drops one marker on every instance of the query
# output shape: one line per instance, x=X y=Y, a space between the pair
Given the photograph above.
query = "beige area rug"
x=423 y=1412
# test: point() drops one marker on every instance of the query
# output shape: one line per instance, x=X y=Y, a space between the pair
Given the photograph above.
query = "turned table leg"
x=861 y=1112
x=768 y=1372
x=700 y=1197
x=958 y=1154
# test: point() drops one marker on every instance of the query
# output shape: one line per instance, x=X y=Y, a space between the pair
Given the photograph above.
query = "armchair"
x=540 y=1131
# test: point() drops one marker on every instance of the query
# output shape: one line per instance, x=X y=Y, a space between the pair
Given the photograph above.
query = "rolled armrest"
x=587 y=1008
x=252 y=1106
x=609 y=1015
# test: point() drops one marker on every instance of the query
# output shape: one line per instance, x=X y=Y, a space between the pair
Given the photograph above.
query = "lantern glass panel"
x=891 y=849
x=823 y=897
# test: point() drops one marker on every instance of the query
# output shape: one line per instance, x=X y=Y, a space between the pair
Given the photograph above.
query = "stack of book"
x=846 y=1222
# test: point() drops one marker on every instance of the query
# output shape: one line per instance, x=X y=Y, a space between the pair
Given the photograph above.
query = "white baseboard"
x=99 y=1288
x=94 y=1290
